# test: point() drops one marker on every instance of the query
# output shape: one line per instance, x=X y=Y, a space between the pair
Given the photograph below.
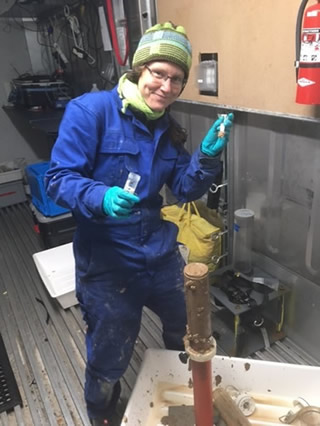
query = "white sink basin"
x=164 y=381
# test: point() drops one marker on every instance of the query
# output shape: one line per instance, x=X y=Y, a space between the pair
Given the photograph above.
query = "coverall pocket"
x=167 y=158
x=117 y=157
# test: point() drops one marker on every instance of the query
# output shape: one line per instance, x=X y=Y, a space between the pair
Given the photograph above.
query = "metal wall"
x=273 y=167
x=16 y=61
x=142 y=15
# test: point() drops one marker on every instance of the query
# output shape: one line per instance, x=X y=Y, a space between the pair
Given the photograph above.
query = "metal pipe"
x=202 y=392
x=199 y=343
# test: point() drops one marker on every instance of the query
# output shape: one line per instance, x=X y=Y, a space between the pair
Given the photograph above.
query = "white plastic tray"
x=163 y=381
x=57 y=269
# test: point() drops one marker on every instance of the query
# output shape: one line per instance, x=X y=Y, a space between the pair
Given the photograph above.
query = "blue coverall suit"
x=123 y=264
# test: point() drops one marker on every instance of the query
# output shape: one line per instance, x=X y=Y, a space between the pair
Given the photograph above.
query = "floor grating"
x=9 y=391
x=46 y=344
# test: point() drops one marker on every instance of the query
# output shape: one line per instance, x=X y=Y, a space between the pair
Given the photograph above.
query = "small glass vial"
x=132 y=182
x=242 y=240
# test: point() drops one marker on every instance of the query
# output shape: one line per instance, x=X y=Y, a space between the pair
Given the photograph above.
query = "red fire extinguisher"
x=308 y=54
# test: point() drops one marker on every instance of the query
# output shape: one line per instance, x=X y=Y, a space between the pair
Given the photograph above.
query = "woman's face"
x=160 y=84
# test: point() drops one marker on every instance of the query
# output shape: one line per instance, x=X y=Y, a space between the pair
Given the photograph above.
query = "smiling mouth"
x=160 y=96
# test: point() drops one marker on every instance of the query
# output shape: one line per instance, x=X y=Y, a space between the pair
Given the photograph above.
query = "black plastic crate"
x=54 y=231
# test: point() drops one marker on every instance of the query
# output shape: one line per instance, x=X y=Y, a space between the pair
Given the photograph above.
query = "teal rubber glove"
x=118 y=203
x=216 y=138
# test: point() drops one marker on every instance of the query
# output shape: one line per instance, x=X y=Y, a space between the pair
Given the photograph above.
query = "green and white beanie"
x=164 y=42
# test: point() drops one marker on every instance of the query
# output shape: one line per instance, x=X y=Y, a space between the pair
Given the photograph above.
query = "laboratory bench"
x=38 y=127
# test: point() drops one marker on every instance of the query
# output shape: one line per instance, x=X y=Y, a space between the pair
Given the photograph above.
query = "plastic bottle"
x=94 y=88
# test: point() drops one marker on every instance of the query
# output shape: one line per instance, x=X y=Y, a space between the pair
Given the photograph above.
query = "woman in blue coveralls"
x=126 y=256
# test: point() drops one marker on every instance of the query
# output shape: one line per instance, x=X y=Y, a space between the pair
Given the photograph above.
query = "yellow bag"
x=196 y=233
x=210 y=215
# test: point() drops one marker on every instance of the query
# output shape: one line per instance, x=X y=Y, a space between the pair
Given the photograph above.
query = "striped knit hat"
x=164 y=42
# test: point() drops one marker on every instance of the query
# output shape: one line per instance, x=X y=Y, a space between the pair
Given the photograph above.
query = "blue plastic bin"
x=35 y=175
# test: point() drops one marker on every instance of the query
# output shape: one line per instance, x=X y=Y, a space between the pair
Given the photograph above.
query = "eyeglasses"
x=162 y=76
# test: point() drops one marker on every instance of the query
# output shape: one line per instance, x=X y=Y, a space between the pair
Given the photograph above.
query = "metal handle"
x=216 y=259
x=214 y=188
x=217 y=235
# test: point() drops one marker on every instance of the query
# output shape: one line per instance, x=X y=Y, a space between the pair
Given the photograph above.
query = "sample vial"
x=222 y=125
x=242 y=240
x=132 y=182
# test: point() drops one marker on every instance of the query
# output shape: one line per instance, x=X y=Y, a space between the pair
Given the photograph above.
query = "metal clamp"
x=198 y=356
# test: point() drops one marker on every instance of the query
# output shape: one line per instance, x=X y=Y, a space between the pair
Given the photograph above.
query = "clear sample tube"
x=222 y=125
x=132 y=182
x=242 y=240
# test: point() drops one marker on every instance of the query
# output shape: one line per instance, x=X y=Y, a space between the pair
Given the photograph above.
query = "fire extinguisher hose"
x=121 y=61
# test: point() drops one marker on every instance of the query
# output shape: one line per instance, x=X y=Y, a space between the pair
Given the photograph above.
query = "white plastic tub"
x=57 y=270
x=164 y=381
x=11 y=188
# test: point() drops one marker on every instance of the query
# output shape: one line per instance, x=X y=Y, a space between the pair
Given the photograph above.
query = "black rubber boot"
x=100 y=422
x=110 y=418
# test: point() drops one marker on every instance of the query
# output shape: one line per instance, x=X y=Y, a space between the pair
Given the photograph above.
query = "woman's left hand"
x=216 y=138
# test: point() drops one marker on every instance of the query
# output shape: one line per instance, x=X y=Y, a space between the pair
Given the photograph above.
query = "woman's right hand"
x=118 y=203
